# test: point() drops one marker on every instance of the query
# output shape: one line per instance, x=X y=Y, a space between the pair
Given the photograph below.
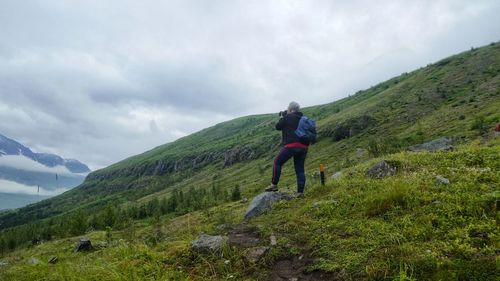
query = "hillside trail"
x=292 y=268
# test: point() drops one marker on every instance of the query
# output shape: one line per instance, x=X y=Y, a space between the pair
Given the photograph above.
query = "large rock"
x=83 y=244
x=441 y=144
x=381 y=169
x=208 y=244
x=263 y=201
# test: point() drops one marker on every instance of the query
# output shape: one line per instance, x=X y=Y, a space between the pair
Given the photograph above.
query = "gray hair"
x=293 y=106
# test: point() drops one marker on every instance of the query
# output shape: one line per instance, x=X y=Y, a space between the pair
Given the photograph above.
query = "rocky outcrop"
x=174 y=165
x=208 y=244
x=350 y=127
x=441 y=144
x=237 y=154
x=83 y=244
x=381 y=170
x=263 y=202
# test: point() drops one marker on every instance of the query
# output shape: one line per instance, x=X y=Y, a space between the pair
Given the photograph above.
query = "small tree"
x=480 y=125
x=236 y=194
x=3 y=245
x=109 y=234
x=78 y=223
x=109 y=216
x=158 y=227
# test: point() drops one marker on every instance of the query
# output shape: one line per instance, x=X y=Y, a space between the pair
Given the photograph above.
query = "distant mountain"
x=11 y=147
x=29 y=177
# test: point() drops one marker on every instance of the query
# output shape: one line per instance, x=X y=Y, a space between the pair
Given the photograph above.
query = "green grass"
x=404 y=227
x=371 y=229
x=445 y=98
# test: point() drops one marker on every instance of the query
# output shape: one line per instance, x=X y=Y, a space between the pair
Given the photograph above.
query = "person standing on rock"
x=293 y=146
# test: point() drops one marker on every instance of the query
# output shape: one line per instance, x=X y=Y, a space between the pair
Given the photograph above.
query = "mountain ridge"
x=9 y=146
x=26 y=174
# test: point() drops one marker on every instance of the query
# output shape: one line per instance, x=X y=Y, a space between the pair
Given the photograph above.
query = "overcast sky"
x=103 y=80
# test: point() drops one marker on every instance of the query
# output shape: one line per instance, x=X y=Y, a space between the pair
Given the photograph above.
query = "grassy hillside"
x=405 y=227
x=445 y=98
x=192 y=179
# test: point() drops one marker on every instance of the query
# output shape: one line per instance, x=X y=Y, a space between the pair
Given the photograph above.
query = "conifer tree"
x=236 y=194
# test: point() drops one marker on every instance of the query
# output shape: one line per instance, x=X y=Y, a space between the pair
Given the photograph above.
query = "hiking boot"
x=299 y=195
x=271 y=188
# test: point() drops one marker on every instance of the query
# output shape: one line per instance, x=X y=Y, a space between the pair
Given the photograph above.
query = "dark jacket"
x=287 y=125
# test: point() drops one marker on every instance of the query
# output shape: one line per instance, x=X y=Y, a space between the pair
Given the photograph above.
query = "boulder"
x=441 y=144
x=208 y=244
x=53 y=260
x=263 y=202
x=256 y=253
x=442 y=180
x=381 y=169
x=83 y=244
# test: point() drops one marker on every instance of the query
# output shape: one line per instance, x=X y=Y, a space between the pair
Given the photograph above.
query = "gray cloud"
x=103 y=80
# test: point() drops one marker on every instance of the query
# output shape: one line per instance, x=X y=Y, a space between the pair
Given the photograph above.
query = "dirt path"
x=290 y=269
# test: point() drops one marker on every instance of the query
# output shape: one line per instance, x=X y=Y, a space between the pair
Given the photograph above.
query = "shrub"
x=480 y=125
x=382 y=202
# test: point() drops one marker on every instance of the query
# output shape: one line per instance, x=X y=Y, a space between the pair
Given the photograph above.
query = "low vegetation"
x=403 y=227
x=142 y=213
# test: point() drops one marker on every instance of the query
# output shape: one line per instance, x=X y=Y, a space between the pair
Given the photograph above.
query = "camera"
x=283 y=113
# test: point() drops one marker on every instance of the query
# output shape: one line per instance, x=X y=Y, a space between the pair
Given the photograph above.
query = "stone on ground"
x=263 y=202
x=34 y=261
x=336 y=175
x=442 y=180
x=256 y=253
x=273 y=240
x=381 y=170
x=208 y=244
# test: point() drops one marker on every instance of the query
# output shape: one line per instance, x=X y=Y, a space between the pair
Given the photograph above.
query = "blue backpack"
x=306 y=130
